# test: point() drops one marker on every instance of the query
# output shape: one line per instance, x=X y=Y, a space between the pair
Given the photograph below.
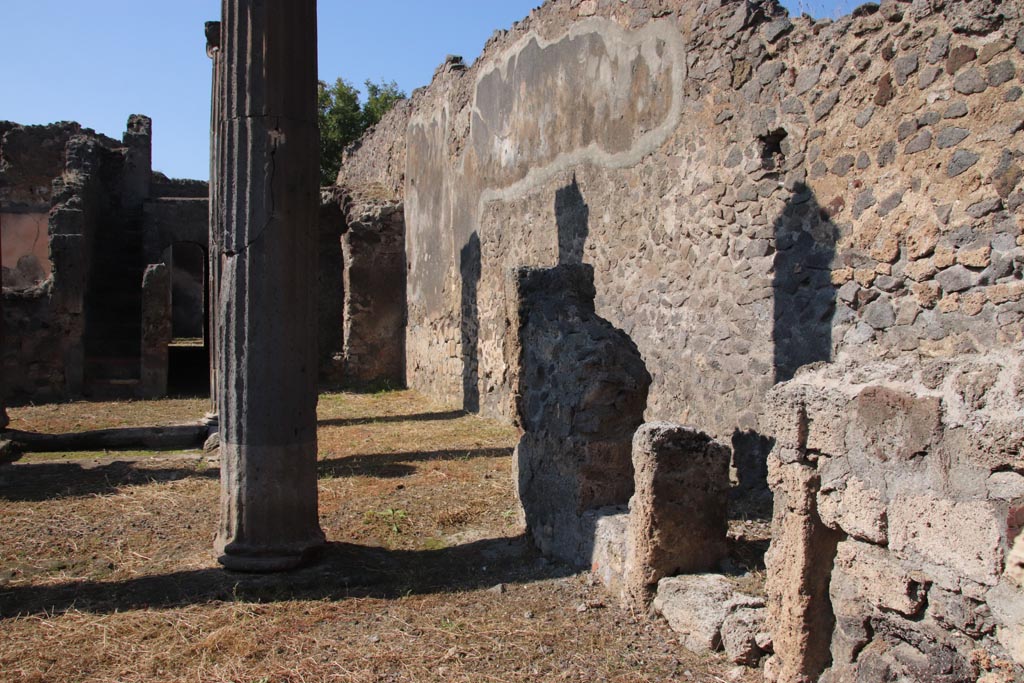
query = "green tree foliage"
x=380 y=97
x=343 y=119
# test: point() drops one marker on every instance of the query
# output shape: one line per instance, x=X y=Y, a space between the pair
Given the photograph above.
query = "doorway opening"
x=188 y=358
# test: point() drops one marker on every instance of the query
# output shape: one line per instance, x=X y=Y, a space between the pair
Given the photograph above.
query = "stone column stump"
x=678 y=519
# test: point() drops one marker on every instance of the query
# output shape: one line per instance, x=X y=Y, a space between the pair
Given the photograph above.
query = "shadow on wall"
x=581 y=395
x=573 y=218
x=805 y=298
x=469 y=268
x=804 y=307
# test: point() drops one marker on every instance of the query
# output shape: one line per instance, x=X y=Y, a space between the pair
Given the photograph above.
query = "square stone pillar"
x=678 y=517
x=266 y=325
x=156 y=330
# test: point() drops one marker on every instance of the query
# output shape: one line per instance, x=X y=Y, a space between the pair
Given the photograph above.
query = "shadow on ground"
x=41 y=481
x=419 y=417
x=343 y=571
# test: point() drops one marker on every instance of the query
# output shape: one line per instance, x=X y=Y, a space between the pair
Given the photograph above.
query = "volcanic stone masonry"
x=266 y=317
x=758 y=196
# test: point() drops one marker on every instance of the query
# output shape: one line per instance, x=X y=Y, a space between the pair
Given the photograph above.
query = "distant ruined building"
x=701 y=254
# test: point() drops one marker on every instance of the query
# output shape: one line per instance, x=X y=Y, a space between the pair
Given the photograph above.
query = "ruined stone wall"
x=754 y=192
x=373 y=248
x=30 y=158
x=757 y=194
x=50 y=173
x=898 y=493
x=377 y=161
x=84 y=195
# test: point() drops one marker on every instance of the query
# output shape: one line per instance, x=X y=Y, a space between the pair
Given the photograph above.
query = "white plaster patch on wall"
x=659 y=43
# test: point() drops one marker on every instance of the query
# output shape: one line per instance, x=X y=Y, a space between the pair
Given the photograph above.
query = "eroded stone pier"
x=266 y=308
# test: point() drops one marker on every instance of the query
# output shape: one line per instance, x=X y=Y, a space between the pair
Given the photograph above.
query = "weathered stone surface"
x=1000 y=72
x=608 y=561
x=903 y=67
x=951 y=539
x=697 y=605
x=799 y=610
x=885 y=93
x=1007 y=603
x=879 y=314
x=374 y=294
x=956 y=279
x=961 y=160
x=889 y=425
x=867 y=573
x=970 y=82
x=856 y=509
x=921 y=491
x=740 y=631
x=958 y=56
x=266 y=323
x=1015 y=563
x=677 y=515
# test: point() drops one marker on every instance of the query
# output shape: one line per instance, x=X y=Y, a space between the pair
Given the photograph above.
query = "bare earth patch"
x=107 y=572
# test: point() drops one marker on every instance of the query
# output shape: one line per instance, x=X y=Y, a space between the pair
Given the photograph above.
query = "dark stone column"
x=266 y=325
x=4 y=421
x=217 y=98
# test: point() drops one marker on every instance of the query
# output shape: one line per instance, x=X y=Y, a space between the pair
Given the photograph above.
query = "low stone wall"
x=899 y=489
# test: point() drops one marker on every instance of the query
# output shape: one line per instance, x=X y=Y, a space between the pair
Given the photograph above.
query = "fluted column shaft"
x=4 y=421
x=213 y=44
x=266 y=327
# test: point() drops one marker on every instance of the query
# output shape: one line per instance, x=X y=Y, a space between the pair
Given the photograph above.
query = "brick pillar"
x=266 y=323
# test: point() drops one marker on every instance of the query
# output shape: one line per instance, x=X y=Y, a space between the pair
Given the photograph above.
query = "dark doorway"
x=188 y=359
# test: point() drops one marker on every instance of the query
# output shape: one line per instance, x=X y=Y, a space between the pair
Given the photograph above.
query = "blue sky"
x=98 y=62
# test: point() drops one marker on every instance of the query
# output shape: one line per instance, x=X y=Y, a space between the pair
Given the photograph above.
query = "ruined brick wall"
x=754 y=192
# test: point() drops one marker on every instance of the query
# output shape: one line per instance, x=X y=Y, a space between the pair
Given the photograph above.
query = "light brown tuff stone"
x=799 y=609
x=944 y=257
x=921 y=240
x=977 y=257
x=950 y=540
x=1004 y=293
x=870 y=575
x=920 y=270
x=695 y=606
x=677 y=515
x=856 y=509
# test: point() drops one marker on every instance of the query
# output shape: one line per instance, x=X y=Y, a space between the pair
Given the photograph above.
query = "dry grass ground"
x=107 y=573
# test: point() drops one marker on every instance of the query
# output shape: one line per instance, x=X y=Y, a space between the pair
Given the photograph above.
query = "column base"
x=254 y=560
